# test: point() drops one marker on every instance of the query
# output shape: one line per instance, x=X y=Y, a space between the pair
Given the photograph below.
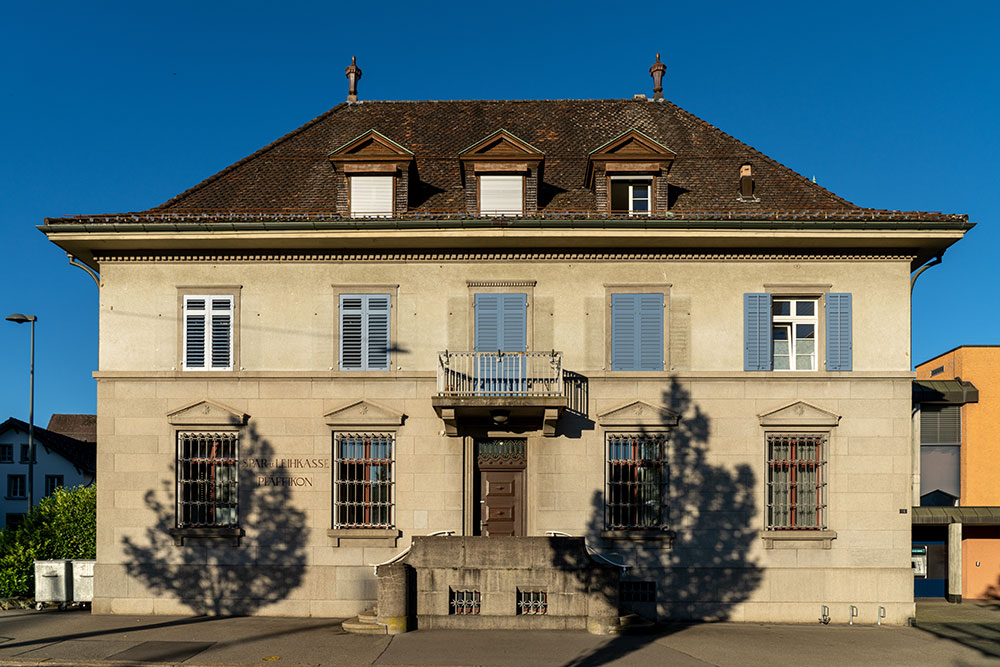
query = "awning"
x=955 y=392
x=939 y=516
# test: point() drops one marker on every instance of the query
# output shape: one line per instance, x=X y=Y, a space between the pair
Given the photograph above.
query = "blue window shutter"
x=377 y=331
x=757 y=332
x=513 y=322
x=624 y=333
x=487 y=325
x=839 y=346
x=649 y=324
x=351 y=332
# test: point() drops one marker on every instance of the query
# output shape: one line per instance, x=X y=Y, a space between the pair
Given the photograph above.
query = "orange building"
x=957 y=521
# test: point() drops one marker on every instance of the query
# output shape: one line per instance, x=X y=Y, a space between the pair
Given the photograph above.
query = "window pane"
x=805 y=308
x=640 y=205
x=940 y=467
x=803 y=362
x=781 y=307
x=619 y=197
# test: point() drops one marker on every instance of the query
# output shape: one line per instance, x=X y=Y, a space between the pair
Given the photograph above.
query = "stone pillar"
x=393 y=598
x=602 y=602
x=915 y=454
x=954 y=593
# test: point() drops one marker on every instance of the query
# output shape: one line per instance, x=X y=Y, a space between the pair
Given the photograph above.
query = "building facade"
x=502 y=319
x=957 y=523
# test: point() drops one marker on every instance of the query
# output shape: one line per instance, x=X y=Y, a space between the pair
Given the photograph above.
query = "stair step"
x=359 y=627
x=367 y=617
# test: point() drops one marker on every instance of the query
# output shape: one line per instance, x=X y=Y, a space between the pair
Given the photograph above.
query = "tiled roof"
x=80 y=427
x=81 y=454
x=293 y=175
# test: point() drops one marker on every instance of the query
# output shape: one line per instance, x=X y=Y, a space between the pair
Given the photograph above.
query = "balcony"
x=505 y=390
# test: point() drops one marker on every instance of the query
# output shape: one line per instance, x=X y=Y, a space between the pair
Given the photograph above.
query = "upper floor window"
x=636 y=481
x=780 y=333
x=17 y=486
x=631 y=195
x=208 y=332
x=637 y=332
x=25 y=453
x=6 y=453
x=52 y=482
x=940 y=454
x=501 y=194
x=365 y=327
x=371 y=196
x=793 y=334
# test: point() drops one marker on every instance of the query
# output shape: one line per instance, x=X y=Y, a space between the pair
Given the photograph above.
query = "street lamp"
x=21 y=319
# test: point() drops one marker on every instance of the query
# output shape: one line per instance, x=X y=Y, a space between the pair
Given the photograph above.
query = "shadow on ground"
x=973 y=623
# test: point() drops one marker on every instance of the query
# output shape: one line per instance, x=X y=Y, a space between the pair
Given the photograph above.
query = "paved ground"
x=959 y=635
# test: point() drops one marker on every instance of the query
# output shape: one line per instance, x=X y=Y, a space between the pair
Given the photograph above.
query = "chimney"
x=656 y=71
x=353 y=74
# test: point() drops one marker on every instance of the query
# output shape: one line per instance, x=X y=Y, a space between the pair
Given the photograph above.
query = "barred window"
x=207 y=479
x=636 y=481
x=796 y=482
x=363 y=489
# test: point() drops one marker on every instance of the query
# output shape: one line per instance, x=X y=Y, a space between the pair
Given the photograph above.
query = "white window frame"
x=790 y=324
x=386 y=209
x=208 y=311
x=23 y=485
x=485 y=178
x=632 y=182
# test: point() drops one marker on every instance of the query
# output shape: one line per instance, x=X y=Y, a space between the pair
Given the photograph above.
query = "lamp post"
x=21 y=319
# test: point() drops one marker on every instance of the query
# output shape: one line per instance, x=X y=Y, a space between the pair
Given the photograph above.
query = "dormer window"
x=372 y=174
x=629 y=175
x=631 y=195
x=501 y=175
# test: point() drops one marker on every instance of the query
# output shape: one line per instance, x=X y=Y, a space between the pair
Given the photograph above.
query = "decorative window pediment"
x=501 y=151
x=638 y=414
x=206 y=413
x=629 y=152
x=364 y=414
x=372 y=152
x=799 y=414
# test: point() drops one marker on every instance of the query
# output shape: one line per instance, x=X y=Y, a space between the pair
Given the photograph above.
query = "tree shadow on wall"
x=214 y=576
x=705 y=571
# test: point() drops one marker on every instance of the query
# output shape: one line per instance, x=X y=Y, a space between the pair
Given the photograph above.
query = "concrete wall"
x=717 y=566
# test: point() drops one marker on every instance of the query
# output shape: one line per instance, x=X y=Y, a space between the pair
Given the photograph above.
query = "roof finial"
x=353 y=74
x=656 y=71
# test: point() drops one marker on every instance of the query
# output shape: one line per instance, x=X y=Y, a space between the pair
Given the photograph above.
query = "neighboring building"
x=957 y=522
x=59 y=461
x=502 y=318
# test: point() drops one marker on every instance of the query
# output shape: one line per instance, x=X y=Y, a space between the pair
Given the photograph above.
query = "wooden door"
x=502 y=506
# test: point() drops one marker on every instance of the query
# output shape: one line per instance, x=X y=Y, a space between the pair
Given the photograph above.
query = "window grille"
x=464 y=603
x=796 y=482
x=638 y=591
x=364 y=484
x=532 y=603
x=636 y=481
x=16 y=486
x=207 y=479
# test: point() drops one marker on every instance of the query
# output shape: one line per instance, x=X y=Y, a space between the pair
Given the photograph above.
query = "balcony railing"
x=526 y=374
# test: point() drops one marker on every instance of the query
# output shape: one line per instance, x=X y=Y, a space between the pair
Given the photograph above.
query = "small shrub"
x=62 y=525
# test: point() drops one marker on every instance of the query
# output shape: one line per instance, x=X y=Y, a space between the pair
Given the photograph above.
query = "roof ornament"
x=656 y=71
x=353 y=74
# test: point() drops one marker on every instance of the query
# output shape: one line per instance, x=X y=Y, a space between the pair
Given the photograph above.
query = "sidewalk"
x=80 y=638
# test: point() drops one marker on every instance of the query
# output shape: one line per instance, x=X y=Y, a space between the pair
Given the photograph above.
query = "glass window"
x=207 y=480
x=6 y=453
x=636 y=482
x=52 y=482
x=363 y=488
x=208 y=332
x=793 y=338
x=17 y=486
x=631 y=196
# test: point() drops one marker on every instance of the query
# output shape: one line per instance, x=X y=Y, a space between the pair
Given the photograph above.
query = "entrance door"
x=500 y=466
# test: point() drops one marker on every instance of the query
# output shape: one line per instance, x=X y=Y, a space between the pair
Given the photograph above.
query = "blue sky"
x=112 y=107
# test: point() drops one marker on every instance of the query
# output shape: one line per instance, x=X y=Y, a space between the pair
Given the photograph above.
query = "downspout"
x=915 y=409
x=90 y=272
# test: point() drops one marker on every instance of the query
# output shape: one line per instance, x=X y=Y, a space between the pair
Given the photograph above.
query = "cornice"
x=499 y=257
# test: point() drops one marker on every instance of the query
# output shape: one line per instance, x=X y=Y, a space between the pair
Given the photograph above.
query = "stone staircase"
x=364 y=623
